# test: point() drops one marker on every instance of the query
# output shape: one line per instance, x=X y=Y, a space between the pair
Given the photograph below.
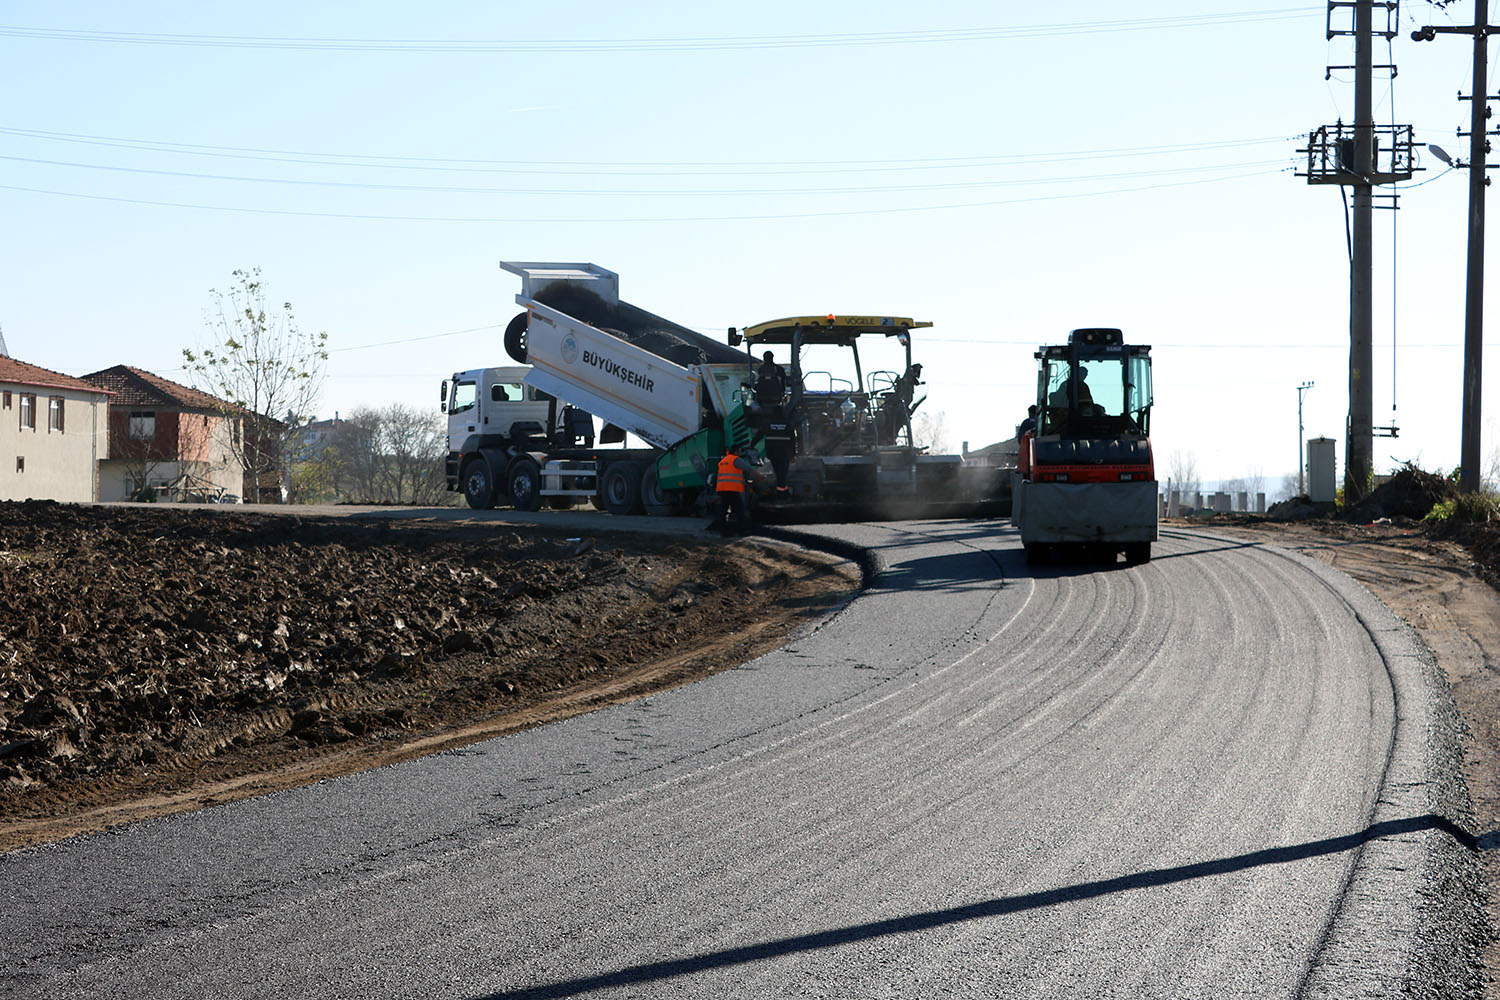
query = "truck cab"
x=497 y=427
x=493 y=401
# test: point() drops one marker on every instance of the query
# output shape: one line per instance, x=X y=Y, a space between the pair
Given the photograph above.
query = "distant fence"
x=1186 y=503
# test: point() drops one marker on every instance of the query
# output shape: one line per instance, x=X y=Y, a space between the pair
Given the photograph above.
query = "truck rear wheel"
x=479 y=487
x=525 y=484
x=620 y=488
x=1137 y=553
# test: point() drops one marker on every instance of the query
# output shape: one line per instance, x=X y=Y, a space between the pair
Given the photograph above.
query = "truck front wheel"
x=479 y=486
x=525 y=484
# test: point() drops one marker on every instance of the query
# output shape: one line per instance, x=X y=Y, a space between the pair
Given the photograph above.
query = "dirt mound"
x=1410 y=493
x=1482 y=542
x=147 y=651
x=1294 y=509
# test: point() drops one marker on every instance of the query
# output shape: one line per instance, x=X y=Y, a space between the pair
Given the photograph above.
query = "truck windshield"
x=1106 y=402
x=464 y=394
x=1101 y=386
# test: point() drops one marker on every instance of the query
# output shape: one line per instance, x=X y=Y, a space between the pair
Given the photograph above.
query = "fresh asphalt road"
x=976 y=780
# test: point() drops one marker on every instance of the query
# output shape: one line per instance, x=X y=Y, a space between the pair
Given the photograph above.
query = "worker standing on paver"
x=770 y=382
x=733 y=474
x=897 y=408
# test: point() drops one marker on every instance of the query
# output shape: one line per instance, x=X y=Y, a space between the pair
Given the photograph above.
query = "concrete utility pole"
x=1350 y=157
x=1301 y=467
x=1359 y=450
x=1479 y=145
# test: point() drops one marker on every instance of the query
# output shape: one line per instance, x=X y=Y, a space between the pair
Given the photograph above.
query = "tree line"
x=391 y=454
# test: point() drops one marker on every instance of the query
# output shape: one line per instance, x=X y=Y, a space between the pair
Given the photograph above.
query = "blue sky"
x=1008 y=171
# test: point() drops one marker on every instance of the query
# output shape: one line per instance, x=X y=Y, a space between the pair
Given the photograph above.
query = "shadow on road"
x=670 y=968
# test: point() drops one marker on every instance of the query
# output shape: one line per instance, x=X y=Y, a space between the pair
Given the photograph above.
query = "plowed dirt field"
x=154 y=660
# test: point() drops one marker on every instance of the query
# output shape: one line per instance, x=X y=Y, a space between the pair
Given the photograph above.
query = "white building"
x=53 y=430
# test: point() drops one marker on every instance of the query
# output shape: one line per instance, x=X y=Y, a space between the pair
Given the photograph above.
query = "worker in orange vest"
x=730 y=480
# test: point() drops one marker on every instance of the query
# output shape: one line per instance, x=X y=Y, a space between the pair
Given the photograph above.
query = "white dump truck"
x=1086 y=479
x=525 y=435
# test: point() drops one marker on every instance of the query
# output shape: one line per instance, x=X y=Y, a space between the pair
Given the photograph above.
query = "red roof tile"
x=19 y=372
x=134 y=387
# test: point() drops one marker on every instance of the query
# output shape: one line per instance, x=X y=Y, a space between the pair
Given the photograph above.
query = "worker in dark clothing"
x=1059 y=396
x=1027 y=426
x=897 y=407
x=771 y=417
x=781 y=444
x=770 y=382
x=734 y=474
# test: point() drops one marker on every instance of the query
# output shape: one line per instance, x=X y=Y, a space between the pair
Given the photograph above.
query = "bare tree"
x=1184 y=471
x=413 y=445
x=1287 y=490
x=927 y=431
x=356 y=455
x=268 y=372
x=390 y=455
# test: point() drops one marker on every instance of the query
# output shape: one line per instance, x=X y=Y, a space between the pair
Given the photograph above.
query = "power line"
x=413 y=340
x=633 y=220
x=658 y=44
x=641 y=192
x=633 y=168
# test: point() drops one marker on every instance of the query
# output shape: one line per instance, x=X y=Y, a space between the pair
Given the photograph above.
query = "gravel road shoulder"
x=1439 y=588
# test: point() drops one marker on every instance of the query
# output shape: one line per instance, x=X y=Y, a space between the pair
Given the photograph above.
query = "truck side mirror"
x=735 y=340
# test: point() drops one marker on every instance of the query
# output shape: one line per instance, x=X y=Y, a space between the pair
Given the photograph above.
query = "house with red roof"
x=53 y=430
x=166 y=440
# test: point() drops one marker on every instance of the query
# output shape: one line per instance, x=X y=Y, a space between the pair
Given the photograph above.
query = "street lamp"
x=1301 y=485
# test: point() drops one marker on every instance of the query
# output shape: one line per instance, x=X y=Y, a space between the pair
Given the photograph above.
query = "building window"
x=55 y=413
x=20 y=463
x=142 y=426
x=28 y=411
x=5 y=399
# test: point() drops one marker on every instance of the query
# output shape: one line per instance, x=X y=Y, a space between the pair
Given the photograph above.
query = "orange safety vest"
x=731 y=478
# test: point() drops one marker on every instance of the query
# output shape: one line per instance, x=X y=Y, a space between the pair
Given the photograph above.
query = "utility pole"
x=1350 y=156
x=1479 y=145
x=1301 y=467
x=1359 y=450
